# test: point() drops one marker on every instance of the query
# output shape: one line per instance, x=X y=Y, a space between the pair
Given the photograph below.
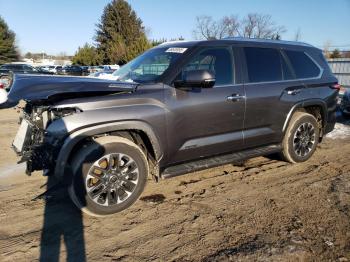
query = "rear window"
x=263 y=64
x=302 y=64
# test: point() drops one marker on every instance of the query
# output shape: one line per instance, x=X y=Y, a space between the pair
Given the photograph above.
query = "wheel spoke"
x=118 y=161
x=122 y=195
x=110 y=162
x=96 y=191
x=111 y=197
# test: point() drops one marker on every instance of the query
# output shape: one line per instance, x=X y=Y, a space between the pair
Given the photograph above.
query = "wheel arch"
x=308 y=106
x=143 y=131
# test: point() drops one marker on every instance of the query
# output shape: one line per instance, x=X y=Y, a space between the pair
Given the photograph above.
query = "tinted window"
x=27 y=68
x=12 y=67
x=303 y=66
x=263 y=64
x=217 y=60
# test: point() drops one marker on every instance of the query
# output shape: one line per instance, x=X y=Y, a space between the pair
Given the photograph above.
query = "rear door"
x=206 y=121
x=268 y=80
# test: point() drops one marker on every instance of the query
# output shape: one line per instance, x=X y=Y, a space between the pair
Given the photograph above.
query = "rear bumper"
x=331 y=120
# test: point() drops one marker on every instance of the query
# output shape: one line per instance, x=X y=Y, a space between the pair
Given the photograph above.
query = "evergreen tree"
x=86 y=55
x=120 y=34
x=8 y=49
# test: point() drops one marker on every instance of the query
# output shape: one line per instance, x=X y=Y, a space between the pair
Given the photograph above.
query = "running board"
x=215 y=161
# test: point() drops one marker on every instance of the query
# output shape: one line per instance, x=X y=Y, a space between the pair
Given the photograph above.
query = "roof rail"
x=261 y=40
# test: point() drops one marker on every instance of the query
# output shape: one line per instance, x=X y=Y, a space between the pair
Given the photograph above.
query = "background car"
x=45 y=68
x=85 y=71
x=74 y=70
x=53 y=68
x=7 y=70
x=345 y=103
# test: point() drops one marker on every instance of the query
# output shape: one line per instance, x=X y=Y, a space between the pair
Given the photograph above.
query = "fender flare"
x=305 y=103
x=74 y=138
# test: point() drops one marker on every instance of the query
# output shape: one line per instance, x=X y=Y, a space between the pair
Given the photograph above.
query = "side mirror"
x=197 y=78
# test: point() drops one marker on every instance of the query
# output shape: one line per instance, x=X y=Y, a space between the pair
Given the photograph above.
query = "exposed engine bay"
x=33 y=143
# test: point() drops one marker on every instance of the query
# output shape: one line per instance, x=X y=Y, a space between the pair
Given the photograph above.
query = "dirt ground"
x=260 y=210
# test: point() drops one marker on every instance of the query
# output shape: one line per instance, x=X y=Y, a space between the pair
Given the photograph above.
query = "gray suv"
x=177 y=108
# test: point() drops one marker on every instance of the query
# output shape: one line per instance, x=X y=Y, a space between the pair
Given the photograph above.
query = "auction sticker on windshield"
x=176 y=50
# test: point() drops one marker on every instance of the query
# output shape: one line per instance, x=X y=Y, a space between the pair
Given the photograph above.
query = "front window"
x=218 y=60
x=149 y=66
x=28 y=68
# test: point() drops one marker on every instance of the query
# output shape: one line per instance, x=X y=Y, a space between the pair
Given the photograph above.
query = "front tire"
x=109 y=175
x=301 y=138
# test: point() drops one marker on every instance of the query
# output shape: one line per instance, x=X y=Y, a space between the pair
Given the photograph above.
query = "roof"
x=238 y=40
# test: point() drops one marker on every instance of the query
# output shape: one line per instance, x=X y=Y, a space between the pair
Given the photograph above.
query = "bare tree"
x=253 y=26
x=208 y=28
x=205 y=27
x=297 y=36
x=260 y=26
x=326 y=48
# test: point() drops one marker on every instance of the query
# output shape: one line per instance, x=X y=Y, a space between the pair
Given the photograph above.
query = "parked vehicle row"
x=7 y=70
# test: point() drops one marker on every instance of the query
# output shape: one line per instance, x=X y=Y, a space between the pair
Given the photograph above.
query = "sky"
x=62 y=26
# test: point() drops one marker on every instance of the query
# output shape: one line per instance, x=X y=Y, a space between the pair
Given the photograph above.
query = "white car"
x=114 y=67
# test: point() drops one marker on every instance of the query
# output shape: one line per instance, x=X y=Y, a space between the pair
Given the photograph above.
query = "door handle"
x=235 y=97
x=293 y=92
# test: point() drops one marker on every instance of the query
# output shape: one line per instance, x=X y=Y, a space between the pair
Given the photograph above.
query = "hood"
x=37 y=88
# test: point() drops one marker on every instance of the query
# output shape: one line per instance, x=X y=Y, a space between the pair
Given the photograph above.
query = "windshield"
x=149 y=66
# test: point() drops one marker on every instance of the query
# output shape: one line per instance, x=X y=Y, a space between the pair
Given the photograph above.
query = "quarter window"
x=263 y=64
x=217 y=60
x=302 y=64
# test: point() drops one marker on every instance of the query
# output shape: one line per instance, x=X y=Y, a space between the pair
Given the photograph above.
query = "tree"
x=335 y=54
x=254 y=25
x=120 y=35
x=28 y=55
x=326 y=47
x=260 y=26
x=208 y=28
x=156 y=42
x=86 y=55
x=297 y=35
x=8 y=49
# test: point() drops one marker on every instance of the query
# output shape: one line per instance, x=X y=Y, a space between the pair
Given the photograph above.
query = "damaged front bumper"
x=37 y=147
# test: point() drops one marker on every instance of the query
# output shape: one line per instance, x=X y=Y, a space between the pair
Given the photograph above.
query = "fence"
x=341 y=69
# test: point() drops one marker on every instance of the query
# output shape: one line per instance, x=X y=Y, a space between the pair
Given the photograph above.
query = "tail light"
x=336 y=87
x=2 y=86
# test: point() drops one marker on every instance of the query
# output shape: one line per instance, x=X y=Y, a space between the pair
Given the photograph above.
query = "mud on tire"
x=301 y=138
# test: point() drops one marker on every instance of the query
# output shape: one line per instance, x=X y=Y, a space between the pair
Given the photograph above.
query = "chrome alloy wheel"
x=112 y=179
x=304 y=139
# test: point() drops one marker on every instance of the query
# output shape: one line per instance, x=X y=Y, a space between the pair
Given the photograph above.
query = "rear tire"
x=109 y=175
x=301 y=138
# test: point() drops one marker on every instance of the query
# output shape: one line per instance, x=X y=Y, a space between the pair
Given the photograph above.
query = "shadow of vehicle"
x=62 y=221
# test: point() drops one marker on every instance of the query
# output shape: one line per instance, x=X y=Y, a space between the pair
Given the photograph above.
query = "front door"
x=206 y=121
